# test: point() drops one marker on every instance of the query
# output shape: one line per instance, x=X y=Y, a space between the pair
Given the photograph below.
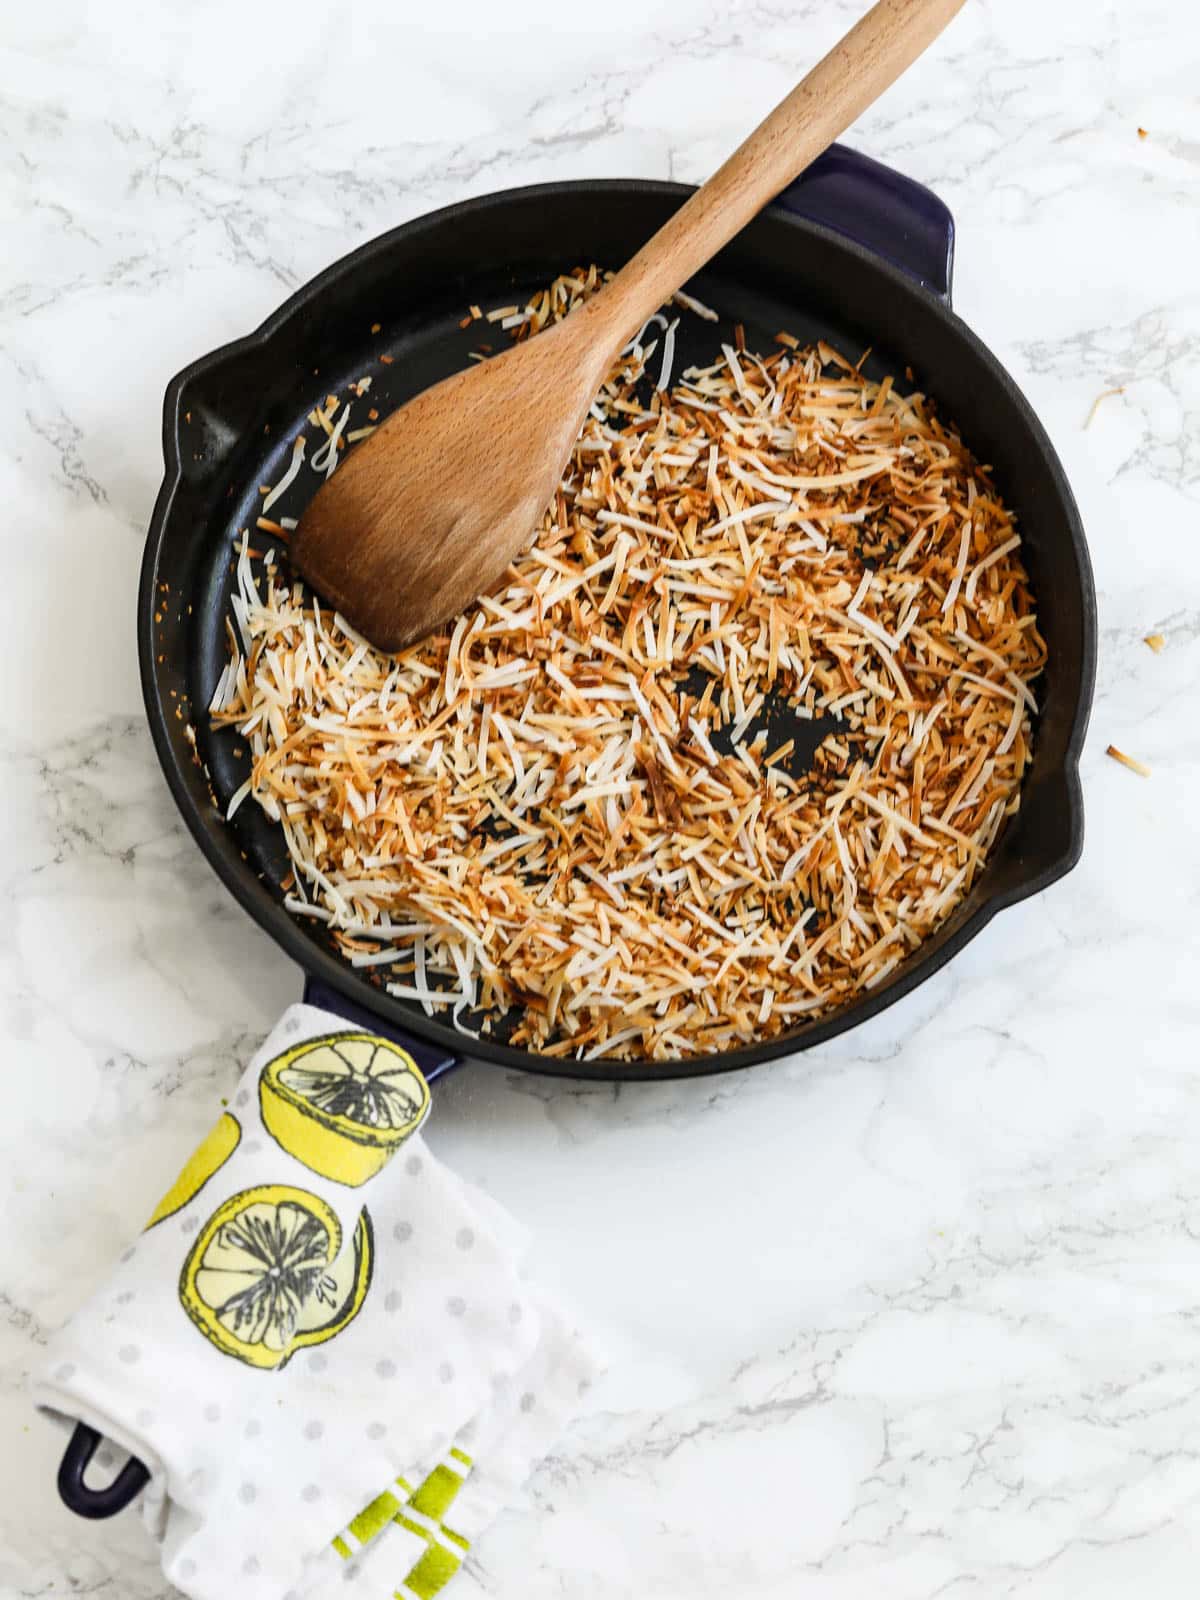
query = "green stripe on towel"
x=375 y=1517
x=436 y=1495
x=431 y=1573
x=421 y=1512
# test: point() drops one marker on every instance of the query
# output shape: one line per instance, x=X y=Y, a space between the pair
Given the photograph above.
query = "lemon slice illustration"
x=343 y=1104
x=339 y=1292
x=254 y=1267
x=213 y=1151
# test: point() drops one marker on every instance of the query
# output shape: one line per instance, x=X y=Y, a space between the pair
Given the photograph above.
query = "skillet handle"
x=890 y=215
x=433 y=1063
x=94 y=1503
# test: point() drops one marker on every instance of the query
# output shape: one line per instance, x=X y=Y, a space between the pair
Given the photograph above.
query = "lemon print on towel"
x=343 y=1104
x=340 y=1291
x=213 y=1151
x=267 y=1274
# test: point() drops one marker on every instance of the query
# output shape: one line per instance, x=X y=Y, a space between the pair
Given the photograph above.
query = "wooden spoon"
x=428 y=513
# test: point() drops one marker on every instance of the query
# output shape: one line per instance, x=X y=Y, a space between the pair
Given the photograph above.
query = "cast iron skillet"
x=853 y=253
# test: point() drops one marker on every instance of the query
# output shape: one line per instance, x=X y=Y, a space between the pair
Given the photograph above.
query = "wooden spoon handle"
x=850 y=78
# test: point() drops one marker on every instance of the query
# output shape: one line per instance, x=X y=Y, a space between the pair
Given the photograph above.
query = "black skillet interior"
x=231 y=419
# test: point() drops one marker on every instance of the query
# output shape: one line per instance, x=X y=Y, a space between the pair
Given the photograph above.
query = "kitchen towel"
x=322 y=1346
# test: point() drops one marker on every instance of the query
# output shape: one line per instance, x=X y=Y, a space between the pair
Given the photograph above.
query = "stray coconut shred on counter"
x=563 y=820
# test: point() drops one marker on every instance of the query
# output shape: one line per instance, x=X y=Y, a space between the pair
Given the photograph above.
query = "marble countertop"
x=916 y=1314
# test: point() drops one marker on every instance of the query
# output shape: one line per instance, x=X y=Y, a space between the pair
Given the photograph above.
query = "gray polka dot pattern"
x=104 y=1456
x=313 y=1430
x=127 y=1255
x=64 y=1373
x=291 y=1025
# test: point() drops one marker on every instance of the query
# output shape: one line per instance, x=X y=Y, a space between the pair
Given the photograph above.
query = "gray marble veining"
x=915 y=1315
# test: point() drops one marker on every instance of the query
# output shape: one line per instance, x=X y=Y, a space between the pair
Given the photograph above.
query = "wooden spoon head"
x=427 y=513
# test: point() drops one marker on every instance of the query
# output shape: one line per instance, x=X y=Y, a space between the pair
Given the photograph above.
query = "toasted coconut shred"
x=568 y=819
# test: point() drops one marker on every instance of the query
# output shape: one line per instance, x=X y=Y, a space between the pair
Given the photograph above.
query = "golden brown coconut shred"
x=568 y=807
